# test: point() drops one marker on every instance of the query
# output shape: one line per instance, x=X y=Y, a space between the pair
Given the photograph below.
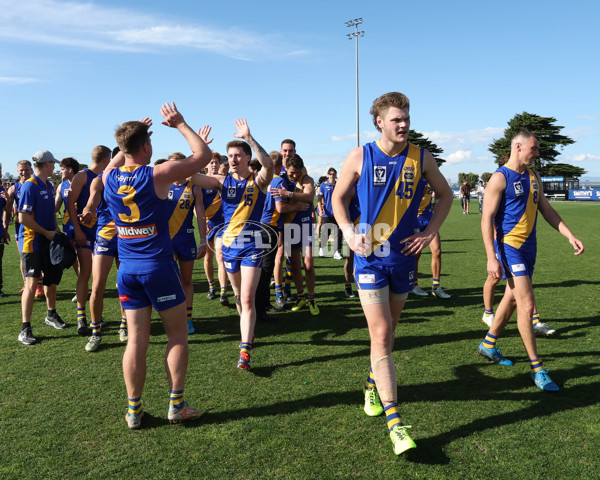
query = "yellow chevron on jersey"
x=214 y=207
x=395 y=206
x=523 y=228
x=427 y=196
x=244 y=212
x=184 y=203
x=108 y=232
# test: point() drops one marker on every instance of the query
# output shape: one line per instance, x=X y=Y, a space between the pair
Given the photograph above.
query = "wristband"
x=349 y=234
x=202 y=243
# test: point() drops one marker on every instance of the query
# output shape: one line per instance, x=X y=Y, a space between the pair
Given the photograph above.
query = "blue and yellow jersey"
x=326 y=191
x=426 y=205
x=183 y=203
x=106 y=225
x=516 y=217
x=390 y=190
x=213 y=207
x=243 y=203
x=17 y=196
x=64 y=189
x=270 y=215
x=141 y=219
x=84 y=196
x=37 y=199
x=300 y=216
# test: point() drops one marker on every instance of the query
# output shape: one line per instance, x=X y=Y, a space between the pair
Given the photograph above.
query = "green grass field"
x=298 y=413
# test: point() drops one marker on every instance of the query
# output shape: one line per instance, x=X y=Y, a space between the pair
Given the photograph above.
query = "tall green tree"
x=544 y=127
x=421 y=140
x=486 y=176
x=471 y=178
x=564 y=170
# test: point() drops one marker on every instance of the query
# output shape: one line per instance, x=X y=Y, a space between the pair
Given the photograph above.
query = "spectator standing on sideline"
x=465 y=195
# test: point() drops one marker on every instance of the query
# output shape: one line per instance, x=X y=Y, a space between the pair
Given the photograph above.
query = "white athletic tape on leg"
x=384 y=371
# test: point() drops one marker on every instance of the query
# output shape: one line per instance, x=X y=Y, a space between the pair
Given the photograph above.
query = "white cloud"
x=17 y=80
x=588 y=117
x=464 y=140
x=459 y=156
x=580 y=157
x=366 y=135
x=91 y=26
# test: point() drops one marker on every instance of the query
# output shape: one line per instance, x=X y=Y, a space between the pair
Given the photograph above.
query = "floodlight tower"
x=355 y=34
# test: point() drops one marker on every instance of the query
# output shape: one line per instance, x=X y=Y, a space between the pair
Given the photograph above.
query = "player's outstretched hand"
x=171 y=115
x=243 y=131
x=147 y=121
x=204 y=132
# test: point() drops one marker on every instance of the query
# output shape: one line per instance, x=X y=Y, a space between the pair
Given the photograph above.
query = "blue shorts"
x=184 y=247
x=90 y=235
x=106 y=247
x=250 y=256
x=422 y=222
x=161 y=288
x=216 y=230
x=400 y=276
x=515 y=262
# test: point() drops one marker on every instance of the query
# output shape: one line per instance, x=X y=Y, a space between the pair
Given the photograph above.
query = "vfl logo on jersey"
x=170 y=195
x=518 y=188
x=231 y=193
x=379 y=176
x=145 y=231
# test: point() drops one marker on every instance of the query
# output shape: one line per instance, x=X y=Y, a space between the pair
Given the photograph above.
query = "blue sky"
x=71 y=71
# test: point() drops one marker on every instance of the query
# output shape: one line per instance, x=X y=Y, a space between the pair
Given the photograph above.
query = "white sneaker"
x=487 y=319
x=74 y=299
x=337 y=256
x=321 y=254
x=419 y=291
x=542 y=329
x=439 y=292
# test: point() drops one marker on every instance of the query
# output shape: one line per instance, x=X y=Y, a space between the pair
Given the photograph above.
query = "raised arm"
x=166 y=173
x=208 y=182
x=266 y=172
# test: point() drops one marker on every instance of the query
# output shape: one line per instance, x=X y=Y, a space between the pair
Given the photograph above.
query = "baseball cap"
x=43 y=156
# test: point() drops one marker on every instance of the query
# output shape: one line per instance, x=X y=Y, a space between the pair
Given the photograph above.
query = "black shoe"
x=82 y=328
x=211 y=294
x=349 y=293
x=289 y=298
x=56 y=322
x=224 y=300
x=26 y=337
